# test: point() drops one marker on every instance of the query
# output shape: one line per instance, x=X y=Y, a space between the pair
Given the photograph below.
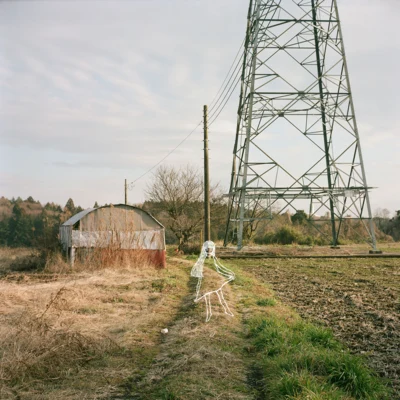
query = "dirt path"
x=197 y=360
x=358 y=299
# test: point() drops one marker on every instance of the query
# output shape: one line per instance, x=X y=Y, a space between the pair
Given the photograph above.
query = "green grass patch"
x=267 y=302
x=304 y=361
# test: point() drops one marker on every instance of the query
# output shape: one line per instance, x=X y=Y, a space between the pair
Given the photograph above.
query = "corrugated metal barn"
x=120 y=227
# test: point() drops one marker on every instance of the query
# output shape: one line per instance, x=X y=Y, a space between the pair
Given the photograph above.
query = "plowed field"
x=357 y=298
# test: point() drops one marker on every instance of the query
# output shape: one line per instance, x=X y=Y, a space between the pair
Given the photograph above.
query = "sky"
x=93 y=92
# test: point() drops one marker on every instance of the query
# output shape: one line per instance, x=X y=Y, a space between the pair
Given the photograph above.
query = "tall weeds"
x=36 y=346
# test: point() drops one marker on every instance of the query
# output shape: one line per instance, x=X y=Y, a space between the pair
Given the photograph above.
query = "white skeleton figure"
x=208 y=250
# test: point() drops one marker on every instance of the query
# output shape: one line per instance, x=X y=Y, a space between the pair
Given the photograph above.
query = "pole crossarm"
x=297 y=144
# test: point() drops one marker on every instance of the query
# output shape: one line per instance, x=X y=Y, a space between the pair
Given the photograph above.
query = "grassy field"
x=97 y=335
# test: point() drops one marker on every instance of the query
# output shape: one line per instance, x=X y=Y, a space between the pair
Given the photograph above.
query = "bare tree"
x=176 y=197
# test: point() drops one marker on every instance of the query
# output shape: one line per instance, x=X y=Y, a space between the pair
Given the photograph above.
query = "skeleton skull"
x=209 y=248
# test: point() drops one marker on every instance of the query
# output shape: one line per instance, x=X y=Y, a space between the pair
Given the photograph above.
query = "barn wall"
x=150 y=240
x=156 y=257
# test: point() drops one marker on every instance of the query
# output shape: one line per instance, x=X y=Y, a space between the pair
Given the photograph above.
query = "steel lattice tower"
x=297 y=144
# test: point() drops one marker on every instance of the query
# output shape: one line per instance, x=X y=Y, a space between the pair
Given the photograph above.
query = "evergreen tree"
x=46 y=231
x=4 y=231
x=69 y=210
x=300 y=217
x=20 y=228
x=70 y=206
x=395 y=226
x=53 y=207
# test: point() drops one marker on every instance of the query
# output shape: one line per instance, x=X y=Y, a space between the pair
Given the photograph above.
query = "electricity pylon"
x=297 y=144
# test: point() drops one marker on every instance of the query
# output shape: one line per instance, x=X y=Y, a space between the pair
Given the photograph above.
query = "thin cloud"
x=110 y=90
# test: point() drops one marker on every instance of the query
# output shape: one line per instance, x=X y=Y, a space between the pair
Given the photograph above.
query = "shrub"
x=287 y=235
x=191 y=248
x=29 y=263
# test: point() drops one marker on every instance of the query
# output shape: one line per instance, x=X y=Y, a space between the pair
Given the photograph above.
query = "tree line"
x=26 y=223
x=175 y=198
x=388 y=224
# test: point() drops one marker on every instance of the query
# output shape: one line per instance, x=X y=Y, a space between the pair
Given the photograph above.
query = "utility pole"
x=126 y=192
x=207 y=233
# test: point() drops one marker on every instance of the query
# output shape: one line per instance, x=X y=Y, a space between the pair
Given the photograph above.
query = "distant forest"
x=28 y=223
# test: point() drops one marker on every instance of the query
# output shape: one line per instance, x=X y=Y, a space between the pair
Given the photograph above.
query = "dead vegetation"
x=35 y=348
x=96 y=334
x=79 y=334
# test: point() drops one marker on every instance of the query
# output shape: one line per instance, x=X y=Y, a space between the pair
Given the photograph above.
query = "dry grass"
x=78 y=335
x=35 y=348
x=95 y=334
x=90 y=260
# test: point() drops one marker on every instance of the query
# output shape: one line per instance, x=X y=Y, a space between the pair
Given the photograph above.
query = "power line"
x=216 y=106
x=223 y=83
x=227 y=97
x=168 y=154
x=228 y=86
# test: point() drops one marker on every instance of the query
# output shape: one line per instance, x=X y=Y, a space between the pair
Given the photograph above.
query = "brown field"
x=390 y=248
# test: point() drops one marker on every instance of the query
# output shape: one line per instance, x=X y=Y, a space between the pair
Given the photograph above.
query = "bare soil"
x=357 y=298
x=391 y=248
